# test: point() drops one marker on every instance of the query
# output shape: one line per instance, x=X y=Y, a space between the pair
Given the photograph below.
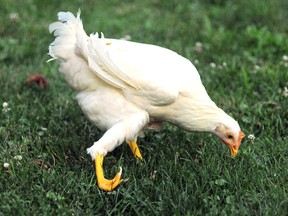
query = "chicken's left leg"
x=103 y=183
x=135 y=149
x=127 y=129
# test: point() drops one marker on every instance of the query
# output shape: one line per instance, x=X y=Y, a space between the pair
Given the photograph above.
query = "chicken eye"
x=230 y=136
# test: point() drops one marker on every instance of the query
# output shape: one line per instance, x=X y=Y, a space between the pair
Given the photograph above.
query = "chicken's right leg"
x=135 y=149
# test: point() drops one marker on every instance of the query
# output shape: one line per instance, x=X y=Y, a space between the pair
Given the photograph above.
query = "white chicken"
x=125 y=87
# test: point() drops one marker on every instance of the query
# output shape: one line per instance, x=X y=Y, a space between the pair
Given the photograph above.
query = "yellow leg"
x=135 y=150
x=103 y=183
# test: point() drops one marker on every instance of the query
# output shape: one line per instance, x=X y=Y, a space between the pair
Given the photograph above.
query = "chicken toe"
x=103 y=183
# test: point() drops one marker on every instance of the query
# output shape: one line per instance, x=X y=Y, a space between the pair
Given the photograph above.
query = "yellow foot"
x=103 y=183
x=135 y=150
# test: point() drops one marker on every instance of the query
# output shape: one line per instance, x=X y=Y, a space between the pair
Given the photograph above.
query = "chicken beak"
x=234 y=149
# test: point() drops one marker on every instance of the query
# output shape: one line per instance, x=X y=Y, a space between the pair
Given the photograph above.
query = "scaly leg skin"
x=135 y=150
x=103 y=183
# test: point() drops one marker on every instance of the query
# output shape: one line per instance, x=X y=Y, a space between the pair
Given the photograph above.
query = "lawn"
x=240 y=49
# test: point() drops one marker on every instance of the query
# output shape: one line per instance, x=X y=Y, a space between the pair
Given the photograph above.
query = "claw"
x=103 y=183
x=135 y=149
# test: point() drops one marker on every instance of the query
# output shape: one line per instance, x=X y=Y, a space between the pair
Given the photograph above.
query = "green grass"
x=194 y=173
